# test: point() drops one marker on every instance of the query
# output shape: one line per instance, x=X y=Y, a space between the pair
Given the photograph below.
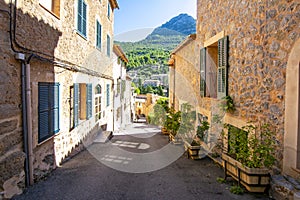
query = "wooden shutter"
x=76 y=105
x=98 y=44
x=48 y=110
x=222 y=67
x=54 y=107
x=79 y=16
x=107 y=95
x=202 y=72
x=89 y=104
x=84 y=18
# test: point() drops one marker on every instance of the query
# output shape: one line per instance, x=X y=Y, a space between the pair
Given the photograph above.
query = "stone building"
x=56 y=84
x=246 y=50
x=122 y=90
x=183 y=76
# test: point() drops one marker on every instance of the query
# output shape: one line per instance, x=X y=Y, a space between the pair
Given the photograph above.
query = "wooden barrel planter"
x=254 y=179
x=192 y=150
x=164 y=131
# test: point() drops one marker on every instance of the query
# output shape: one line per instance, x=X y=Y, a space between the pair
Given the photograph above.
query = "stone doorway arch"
x=291 y=154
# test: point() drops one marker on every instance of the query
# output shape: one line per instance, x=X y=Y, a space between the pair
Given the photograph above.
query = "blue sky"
x=139 y=14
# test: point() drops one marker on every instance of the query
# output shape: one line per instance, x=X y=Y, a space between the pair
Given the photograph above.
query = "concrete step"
x=103 y=136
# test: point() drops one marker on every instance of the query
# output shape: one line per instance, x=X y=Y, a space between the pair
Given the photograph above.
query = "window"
x=108 y=45
x=123 y=88
x=81 y=18
x=82 y=102
x=213 y=69
x=108 y=10
x=107 y=95
x=48 y=110
x=98 y=100
x=98 y=35
x=53 y=6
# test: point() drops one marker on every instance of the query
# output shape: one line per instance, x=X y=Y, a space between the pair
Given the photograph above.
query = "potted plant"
x=195 y=146
x=172 y=124
x=250 y=155
x=158 y=115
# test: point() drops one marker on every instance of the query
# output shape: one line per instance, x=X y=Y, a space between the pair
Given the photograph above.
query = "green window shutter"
x=107 y=95
x=202 y=72
x=222 y=67
x=89 y=102
x=48 y=110
x=76 y=104
x=98 y=43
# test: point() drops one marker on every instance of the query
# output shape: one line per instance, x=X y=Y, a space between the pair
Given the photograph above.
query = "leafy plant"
x=173 y=119
x=252 y=146
x=201 y=129
x=227 y=105
x=236 y=189
x=160 y=109
x=188 y=118
x=195 y=143
x=221 y=180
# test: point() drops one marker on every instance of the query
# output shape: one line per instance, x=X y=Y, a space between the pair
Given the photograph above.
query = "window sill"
x=98 y=48
x=81 y=35
x=211 y=98
x=52 y=13
x=48 y=139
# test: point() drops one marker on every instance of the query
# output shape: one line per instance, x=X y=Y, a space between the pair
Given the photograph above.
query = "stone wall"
x=38 y=31
x=261 y=36
x=11 y=139
x=186 y=75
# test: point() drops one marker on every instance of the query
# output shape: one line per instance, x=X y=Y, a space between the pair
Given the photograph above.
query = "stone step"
x=103 y=137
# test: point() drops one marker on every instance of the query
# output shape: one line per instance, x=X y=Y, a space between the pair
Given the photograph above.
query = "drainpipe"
x=29 y=121
x=24 y=121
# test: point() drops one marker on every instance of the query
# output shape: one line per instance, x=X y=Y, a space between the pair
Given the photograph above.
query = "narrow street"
x=137 y=163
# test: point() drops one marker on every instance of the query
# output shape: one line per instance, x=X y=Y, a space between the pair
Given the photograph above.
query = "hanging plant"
x=227 y=105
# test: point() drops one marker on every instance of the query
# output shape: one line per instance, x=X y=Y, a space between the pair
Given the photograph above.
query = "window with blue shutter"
x=202 y=72
x=108 y=10
x=81 y=17
x=222 y=67
x=89 y=103
x=98 y=102
x=107 y=95
x=76 y=105
x=98 y=35
x=108 y=45
x=48 y=110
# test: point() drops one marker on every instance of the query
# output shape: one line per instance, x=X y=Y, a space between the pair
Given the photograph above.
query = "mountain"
x=182 y=24
x=167 y=36
x=150 y=55
x=172 y=32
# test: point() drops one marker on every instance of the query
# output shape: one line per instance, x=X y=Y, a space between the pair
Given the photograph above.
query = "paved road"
x=134 y=165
